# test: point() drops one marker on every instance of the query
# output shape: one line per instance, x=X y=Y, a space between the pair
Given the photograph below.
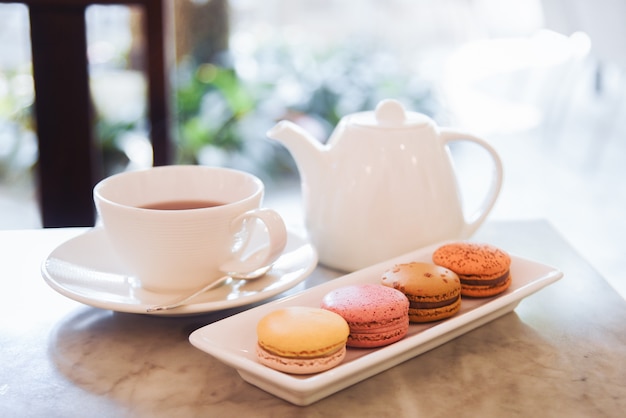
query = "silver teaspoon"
x=232 y=275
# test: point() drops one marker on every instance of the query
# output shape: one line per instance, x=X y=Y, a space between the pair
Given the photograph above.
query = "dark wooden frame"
x=69 y=163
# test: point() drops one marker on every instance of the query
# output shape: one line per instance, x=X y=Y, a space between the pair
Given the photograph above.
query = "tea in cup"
x=180 y=227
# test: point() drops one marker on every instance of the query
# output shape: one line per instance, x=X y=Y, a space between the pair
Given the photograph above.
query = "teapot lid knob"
x=390 y=112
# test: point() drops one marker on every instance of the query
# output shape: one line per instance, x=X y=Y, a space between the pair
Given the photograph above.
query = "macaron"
x=484 y=269
x=433 y=292
x=301 y=340
x=377 y=315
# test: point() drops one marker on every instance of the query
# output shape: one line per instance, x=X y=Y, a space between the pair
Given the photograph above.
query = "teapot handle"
x=449 y=135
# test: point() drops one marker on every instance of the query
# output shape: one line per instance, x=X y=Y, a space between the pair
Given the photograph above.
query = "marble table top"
x=562 y=352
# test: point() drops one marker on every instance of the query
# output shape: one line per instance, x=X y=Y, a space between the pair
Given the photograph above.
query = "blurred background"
x=541 y=80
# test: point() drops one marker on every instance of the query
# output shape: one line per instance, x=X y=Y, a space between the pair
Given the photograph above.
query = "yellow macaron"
x=301 y=340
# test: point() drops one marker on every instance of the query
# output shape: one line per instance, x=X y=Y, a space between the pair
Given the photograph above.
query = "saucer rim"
x=297 y=240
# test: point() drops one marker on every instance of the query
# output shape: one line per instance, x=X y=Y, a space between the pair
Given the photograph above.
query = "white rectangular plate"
x=233 y=340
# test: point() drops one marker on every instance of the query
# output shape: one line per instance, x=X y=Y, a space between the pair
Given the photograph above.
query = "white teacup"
x=180 y=227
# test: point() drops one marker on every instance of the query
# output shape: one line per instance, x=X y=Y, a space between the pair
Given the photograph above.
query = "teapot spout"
x=304 y=148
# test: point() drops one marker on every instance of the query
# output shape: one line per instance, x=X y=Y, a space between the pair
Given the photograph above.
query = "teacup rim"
x=98 y=196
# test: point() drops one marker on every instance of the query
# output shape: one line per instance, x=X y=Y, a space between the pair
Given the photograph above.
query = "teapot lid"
x=389 y=113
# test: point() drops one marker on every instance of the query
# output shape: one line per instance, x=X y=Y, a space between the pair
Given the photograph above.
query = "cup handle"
x=260 y=257
x=449 y=135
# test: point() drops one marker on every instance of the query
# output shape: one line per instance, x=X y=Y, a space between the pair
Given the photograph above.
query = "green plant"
x=210 y=105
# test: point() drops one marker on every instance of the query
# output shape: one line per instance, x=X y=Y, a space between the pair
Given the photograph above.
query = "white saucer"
x=86 y=269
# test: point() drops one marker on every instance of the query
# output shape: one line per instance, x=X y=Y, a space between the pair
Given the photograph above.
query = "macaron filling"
x=323 y=352
x=432 y=305
x=492 y=282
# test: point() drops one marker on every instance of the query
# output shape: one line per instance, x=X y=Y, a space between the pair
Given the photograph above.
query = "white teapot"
x=382 y=186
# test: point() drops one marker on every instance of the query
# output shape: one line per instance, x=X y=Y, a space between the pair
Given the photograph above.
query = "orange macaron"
x=484 y=269
x=433 y=292
x=301 y=340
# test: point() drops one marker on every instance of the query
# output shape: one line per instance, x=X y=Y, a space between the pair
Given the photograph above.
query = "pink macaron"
x=377 y=315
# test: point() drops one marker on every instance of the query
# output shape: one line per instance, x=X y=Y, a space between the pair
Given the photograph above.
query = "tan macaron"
x=434 y=292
